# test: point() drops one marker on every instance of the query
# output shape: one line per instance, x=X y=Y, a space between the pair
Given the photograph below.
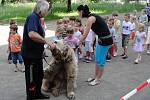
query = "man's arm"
x=37 y=38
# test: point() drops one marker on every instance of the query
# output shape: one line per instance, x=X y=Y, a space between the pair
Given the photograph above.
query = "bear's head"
x=62 y=52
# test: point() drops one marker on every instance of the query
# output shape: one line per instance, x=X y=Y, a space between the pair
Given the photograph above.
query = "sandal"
x=94 y=82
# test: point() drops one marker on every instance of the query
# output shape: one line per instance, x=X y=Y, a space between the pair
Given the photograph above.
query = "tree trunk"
x=127 y=1
x=137 y=1
x=2 y=2
x=68 y=5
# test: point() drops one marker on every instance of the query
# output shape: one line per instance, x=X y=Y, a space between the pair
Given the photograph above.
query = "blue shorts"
x=16 y=56
x=100 y=54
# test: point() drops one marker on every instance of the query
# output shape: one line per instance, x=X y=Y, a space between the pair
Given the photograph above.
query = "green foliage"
x=15 y=11
x=21 y=11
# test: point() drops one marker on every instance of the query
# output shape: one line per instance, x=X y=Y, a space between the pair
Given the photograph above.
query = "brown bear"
x=62 y=70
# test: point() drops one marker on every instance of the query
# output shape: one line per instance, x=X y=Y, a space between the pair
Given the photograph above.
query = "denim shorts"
x=100 y=54
x=125 y=40
x=16 y=56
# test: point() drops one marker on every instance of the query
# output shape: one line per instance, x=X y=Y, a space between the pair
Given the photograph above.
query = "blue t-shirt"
x=30 y=48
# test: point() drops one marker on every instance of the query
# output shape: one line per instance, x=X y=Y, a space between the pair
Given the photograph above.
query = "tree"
x=68 y=5
x=2 y=2
x=127 y=1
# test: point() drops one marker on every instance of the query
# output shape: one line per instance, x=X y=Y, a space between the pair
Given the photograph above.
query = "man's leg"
x=30 y=91
x=38 y=77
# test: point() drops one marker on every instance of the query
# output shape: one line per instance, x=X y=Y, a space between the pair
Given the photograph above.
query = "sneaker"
x=9 y=61
x=94 y=82
x=22 y=70
x=136 y=61
x=80 y=56
x=140 y=58
x=108 y=58
x=122 y=54
x=88 y=61
x=90 y=79
x=86 y=58
x=42 y=96
x=148 y=52
x=115 y=54
x=124 y=57
x=16 y=70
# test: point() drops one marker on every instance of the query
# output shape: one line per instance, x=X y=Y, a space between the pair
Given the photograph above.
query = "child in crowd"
x=9 y=56
x=78 y=34
x=79 y=23
x=59 y=22
x=134 y=15
x=143 y=18
x=117 y=26
x=106 y=18
x=139 y=42
x=148 y=41
x=88 y=46
x=126 y=30
x=72 y=20
x=58 y=33
x=65 y=23
x=15 y=46
x=133 y=29
x=71 y=40
x=110 y=24
x=148 y=11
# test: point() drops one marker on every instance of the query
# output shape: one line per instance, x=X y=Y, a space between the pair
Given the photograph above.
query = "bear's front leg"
x=70 y=70
x=56 y=88
x=49 y=74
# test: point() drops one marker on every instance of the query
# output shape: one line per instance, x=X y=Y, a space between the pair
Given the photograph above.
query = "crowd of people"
x=97 y=41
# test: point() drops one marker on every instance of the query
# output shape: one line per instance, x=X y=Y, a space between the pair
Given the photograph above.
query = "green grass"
x=20 y=11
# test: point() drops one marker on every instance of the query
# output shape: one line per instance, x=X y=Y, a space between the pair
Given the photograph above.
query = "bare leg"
x=99 y=72
x=115 y=47
x=96 y=71
x=139 y=56
x=125 y=49
x=16 y=68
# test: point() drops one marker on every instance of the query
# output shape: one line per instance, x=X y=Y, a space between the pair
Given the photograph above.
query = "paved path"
x=120 y=77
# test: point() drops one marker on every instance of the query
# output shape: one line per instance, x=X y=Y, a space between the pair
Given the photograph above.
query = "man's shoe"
x=43 y=96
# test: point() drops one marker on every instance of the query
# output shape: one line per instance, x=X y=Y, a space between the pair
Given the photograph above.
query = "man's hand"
x=51 y=44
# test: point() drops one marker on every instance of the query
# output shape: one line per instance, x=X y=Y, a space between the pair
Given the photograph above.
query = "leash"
x=46 y=61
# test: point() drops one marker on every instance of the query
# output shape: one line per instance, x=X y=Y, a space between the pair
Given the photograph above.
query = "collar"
x=38 y=15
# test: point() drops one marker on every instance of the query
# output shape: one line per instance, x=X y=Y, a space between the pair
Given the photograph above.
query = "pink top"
x=72 y=41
